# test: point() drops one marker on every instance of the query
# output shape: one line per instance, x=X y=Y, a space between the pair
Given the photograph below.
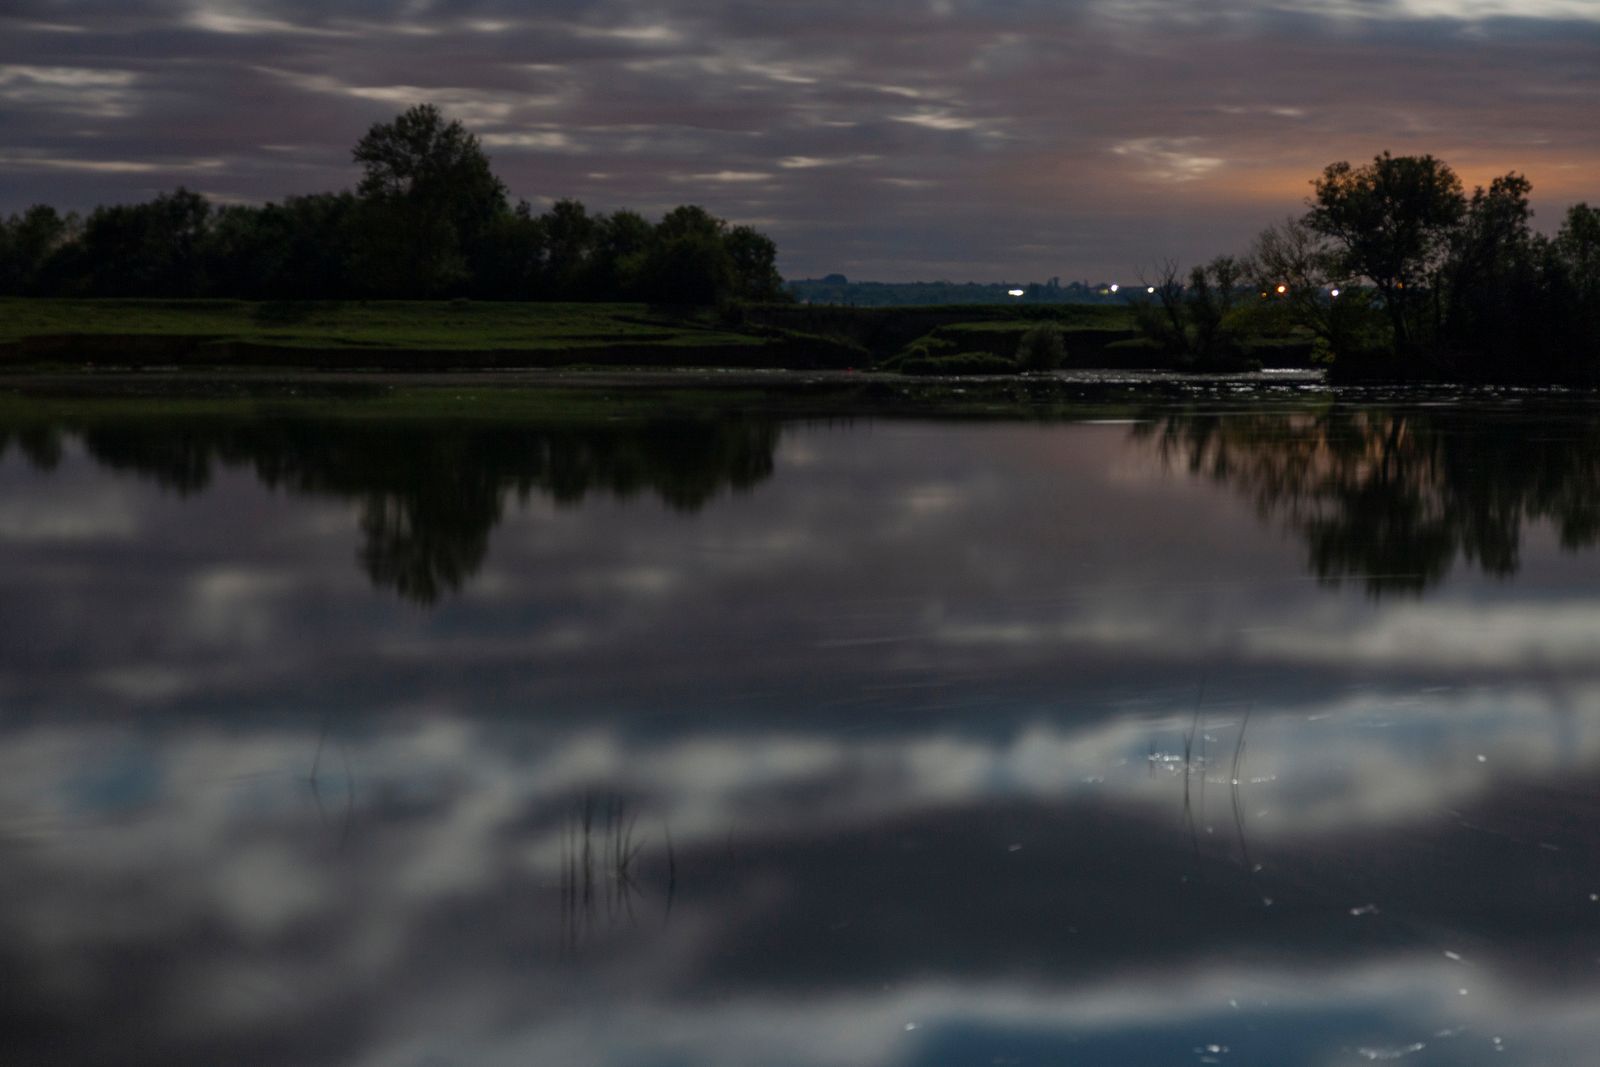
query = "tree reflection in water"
x=1389 y=496
x=1393 y=497
x=430 y=491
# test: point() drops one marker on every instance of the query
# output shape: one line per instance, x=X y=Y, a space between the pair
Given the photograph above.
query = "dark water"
x=1267 y=736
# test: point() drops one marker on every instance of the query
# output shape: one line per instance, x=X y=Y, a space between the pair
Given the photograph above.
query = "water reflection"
x=949 y=743
x=429 y=492
x=1393 y=498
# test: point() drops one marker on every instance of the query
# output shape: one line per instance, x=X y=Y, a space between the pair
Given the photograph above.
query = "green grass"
x=1069 y=317
x=375 y=404
x=958 y=363
x=444 y=325
x=76 y=401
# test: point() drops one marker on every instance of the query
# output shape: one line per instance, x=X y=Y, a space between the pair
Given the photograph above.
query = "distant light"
x=1014 y=292
x=1282 y=289
x=1333 y=292
x=1149 y=288
x=1115 y=287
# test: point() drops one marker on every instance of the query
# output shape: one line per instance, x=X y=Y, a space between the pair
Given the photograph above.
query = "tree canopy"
x=1392 y=222
x=1396 y=271
x=428 y=218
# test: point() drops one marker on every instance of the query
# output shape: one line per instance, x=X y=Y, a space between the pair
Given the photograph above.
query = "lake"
x=1260 y=730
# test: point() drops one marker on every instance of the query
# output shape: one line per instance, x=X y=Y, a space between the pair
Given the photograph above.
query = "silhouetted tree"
x=429 y=218
x=570 y=235
x=1574 y=270
x=754 y=259
x=1578 y=245
x=429 y=201
x=1392 y=222
x=511 y=265
x=27 y=244
x=151 y=249
x=1305 y=263
x=622 y=240
x=1490 y=300
x=1200 y=323
x=688 y=260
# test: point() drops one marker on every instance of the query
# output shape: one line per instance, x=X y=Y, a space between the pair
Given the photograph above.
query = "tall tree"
x=1493 y=293
x=431 y=200
x=1578 y=245
x=1576 y=266
x=1392 y=222
x=688 y=261
x=755 y=264
x=620 y=247
x=27 y=242
x=569 y=235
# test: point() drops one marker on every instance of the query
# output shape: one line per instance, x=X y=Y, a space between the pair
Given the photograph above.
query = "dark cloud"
x=908 y=139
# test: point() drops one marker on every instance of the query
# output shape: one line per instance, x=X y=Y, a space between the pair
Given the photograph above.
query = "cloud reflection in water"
x=936 y=780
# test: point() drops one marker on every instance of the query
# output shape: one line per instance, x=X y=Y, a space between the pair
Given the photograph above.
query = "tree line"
x=1395 y=269
x=428 y=219
x=836 y=289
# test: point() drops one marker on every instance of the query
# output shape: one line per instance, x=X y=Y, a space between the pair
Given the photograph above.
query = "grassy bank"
x=395 y=333
x=572 y=396
x=460 y=334
x=372 y=333
x=1090 y=331
x=451 y=325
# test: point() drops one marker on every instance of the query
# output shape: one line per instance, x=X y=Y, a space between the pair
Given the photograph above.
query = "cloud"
x=528 y=139
x=724 y=177
x=647 y=34
x=936 y=119
x=214 y=20
x=84 y=91
x=110 y=166
x=1231 y=114
x=1473 y=10
x=1168 y=159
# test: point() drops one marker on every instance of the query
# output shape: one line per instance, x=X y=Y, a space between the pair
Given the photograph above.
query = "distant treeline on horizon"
x=840 y=290
x=429 y=219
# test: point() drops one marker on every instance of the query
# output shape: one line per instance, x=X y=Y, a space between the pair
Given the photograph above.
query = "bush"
x=1042 y=348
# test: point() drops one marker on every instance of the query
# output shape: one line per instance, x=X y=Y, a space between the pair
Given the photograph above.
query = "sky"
x=988 y=140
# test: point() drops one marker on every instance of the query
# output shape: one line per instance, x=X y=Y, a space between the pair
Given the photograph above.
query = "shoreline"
x=626 y=394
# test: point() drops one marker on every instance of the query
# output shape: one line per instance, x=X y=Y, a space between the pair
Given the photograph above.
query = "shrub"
x=1042 y=348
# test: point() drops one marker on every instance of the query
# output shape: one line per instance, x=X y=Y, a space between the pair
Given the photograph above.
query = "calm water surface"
x=1264 y=736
